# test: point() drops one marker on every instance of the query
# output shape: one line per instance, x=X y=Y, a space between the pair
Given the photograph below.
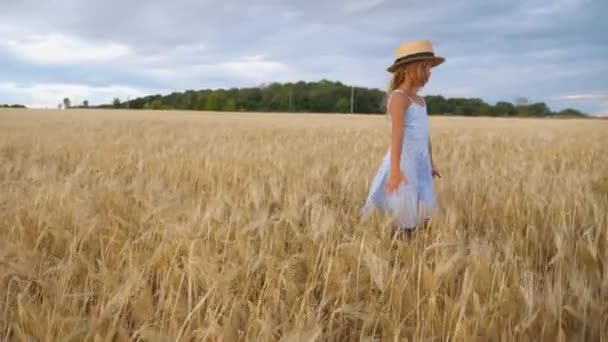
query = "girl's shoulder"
x=416 y=99
x=402 y=94
x=403 y=99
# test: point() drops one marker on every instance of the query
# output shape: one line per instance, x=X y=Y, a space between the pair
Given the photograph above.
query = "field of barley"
x=191 y=226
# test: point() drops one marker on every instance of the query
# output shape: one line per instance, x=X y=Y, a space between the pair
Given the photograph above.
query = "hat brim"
x=435 y=61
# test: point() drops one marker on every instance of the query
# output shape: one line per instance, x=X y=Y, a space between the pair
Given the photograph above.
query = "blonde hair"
x=412 y=74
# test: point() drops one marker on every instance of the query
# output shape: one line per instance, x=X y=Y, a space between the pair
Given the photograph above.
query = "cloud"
x=362 y=5
x=256 y=69
x=255 y=64
x=57 y=48
x=553 y=7
x=596 y=101
x=601 y=96
x=52 y=94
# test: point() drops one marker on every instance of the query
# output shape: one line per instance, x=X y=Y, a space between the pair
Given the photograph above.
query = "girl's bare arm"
x=397 y=108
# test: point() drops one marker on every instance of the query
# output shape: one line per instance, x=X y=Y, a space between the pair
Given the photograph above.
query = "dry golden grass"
x=170 y=226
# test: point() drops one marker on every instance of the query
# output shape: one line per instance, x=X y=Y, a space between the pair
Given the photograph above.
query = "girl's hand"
x=394 y=180
x=436 y=173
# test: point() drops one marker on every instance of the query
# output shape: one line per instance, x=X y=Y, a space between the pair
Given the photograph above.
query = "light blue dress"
x=414 y=200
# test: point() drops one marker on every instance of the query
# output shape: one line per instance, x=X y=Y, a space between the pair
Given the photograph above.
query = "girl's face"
x=425 y=70
x=418 y=74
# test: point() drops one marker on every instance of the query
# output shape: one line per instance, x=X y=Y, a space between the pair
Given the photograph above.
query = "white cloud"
x=51 y=94
x=254 y=64
x=183 y=54
x=287 y=15
x=362 y=5
x=253 y=68
x=58 y=48
x=603 y=111
x=553 y=7
x=597 y=99
x=595 y=96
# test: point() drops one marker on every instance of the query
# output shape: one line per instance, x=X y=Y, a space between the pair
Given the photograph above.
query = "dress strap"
x=398 y=91
x=401 y=91
x=408 y=96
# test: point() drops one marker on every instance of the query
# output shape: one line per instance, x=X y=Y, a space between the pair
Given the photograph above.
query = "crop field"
x=200 y=226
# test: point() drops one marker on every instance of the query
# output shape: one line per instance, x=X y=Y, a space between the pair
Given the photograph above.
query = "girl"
x=404 y=181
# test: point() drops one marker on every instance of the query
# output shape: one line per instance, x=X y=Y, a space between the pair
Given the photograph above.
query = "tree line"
x=12 y=106
x=326 y=97
x=319 y=97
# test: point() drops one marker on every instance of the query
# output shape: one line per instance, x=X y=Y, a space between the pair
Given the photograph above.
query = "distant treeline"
x=12 y=106
x=326 y=97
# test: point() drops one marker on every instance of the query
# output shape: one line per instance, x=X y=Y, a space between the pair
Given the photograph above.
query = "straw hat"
x=416 y=50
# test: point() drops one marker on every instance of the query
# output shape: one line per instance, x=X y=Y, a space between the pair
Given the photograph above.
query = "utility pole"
x=352 y=98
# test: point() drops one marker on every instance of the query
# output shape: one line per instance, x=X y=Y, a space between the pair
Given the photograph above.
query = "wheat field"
x=190 y=226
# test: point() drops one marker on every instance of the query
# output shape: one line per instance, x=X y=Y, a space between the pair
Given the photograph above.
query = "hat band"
x=415 y=55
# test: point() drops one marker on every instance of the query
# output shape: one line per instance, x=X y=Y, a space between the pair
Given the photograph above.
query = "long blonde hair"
x=412 y=74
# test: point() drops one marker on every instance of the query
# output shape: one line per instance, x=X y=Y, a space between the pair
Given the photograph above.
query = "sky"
x=554 y=51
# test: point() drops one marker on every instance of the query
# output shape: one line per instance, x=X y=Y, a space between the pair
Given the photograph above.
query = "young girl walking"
x=403 y=185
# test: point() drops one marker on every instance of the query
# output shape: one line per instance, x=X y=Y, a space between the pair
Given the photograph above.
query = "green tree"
x=188 y=100
x=229 y=106
x=85 y=103
x=66 y=103
x=343 y=105
x=116 y=103
x=482 y=109
x=212 y=102
x=539 y=109
x=157 y=104
x=569 y=112
x=437 y=104
x=505 y=109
